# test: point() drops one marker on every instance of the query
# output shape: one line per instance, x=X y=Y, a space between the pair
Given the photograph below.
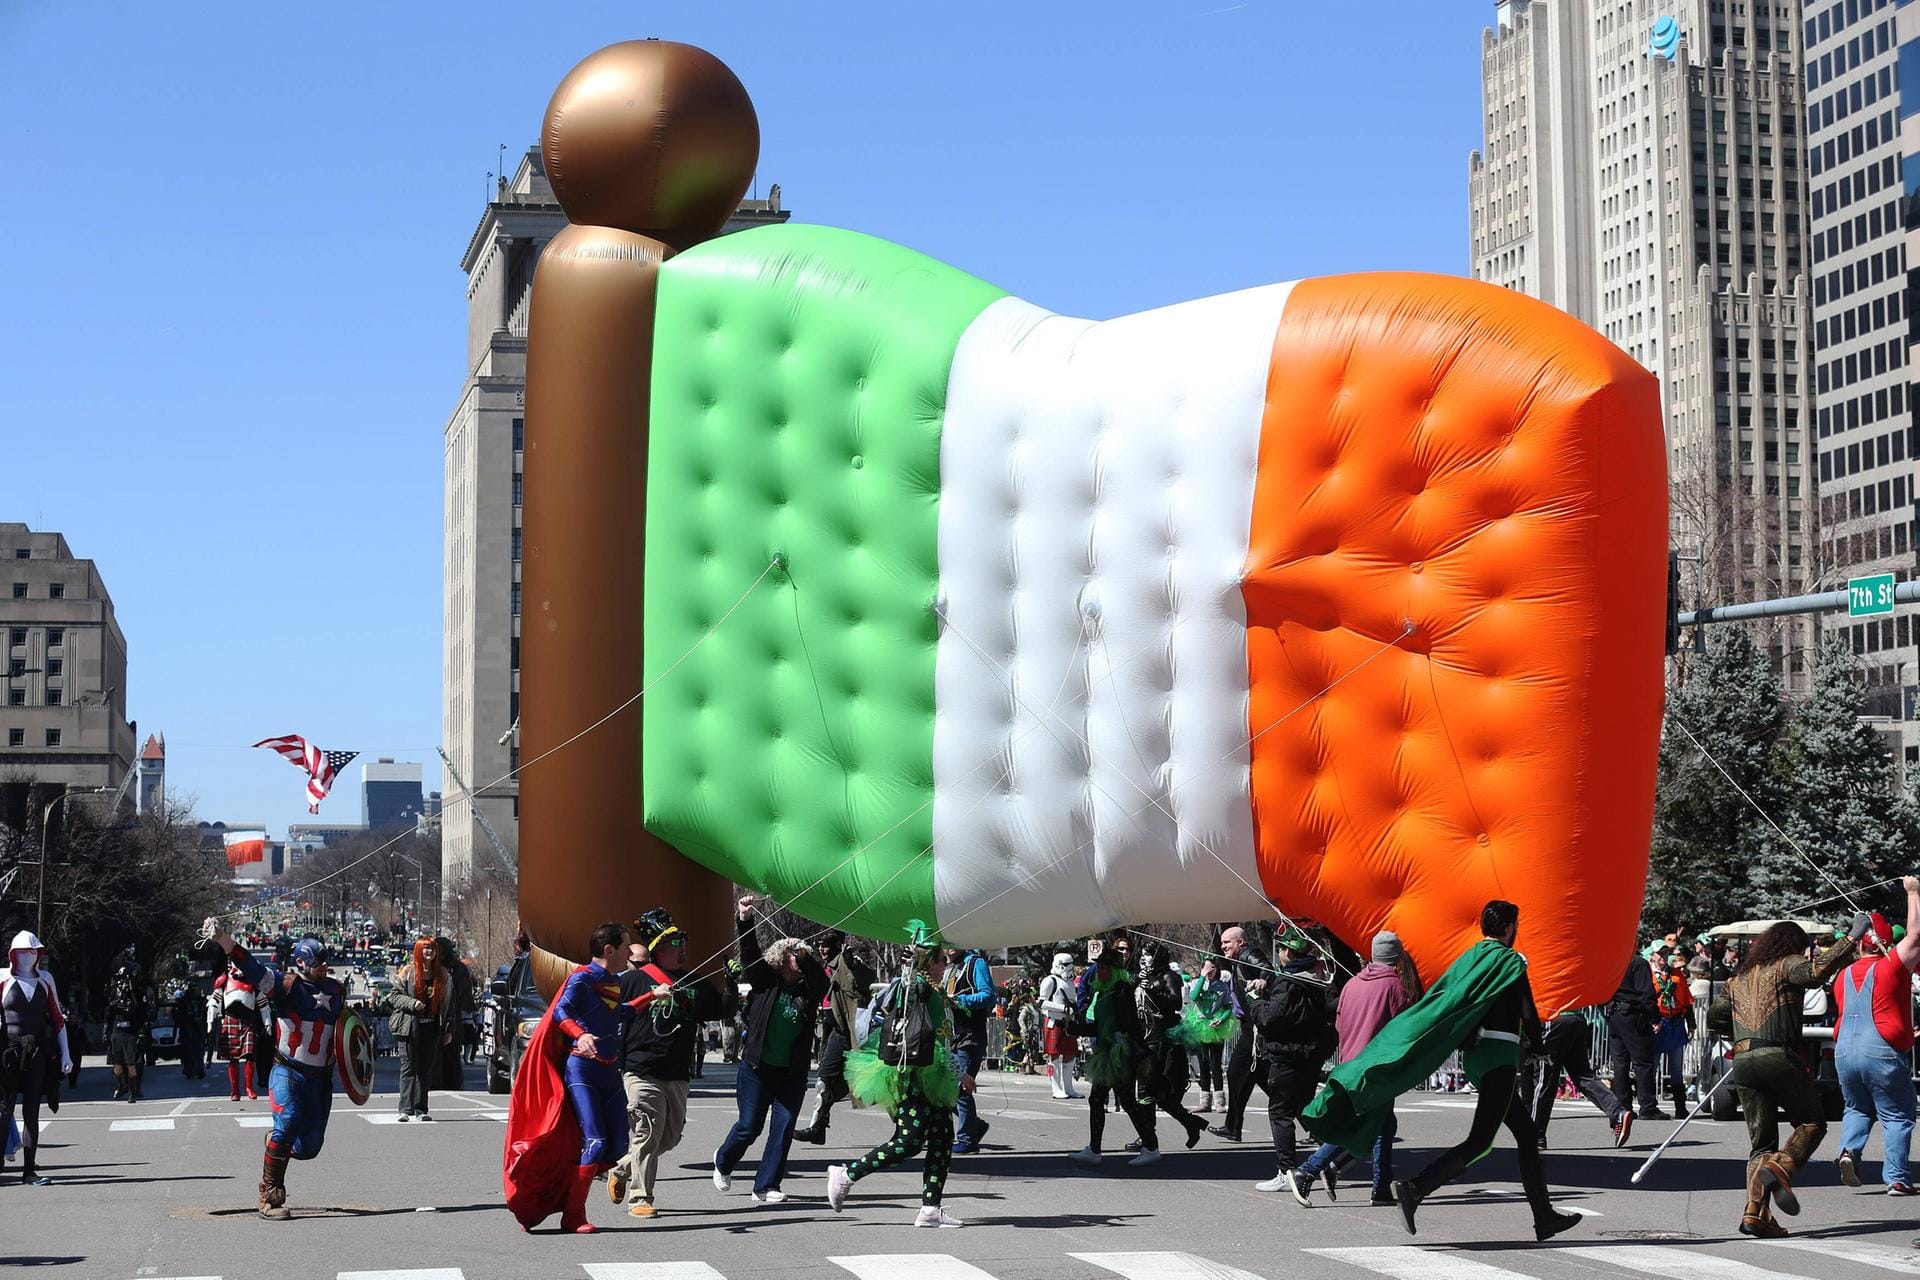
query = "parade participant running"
x=1480 y=1004
x=36 y=1042
x=1057 y=1000
x=1293 y=1010
x=307 y=1003
x=1564 y=1050
x=907 y=1068
x=851 y=980
x=788 y=983
x=1112 y=1019
x=1762 y=1013
x=565 y=1122
x=1873 y=1044
x=1371 y=1000
x=657 y=1055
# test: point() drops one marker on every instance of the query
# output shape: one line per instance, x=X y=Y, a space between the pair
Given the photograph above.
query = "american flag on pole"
x=321 y=766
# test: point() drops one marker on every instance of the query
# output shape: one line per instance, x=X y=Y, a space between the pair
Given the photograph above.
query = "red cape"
x=543 y=1135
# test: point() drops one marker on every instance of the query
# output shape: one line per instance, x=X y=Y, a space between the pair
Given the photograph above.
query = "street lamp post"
x=46 y=818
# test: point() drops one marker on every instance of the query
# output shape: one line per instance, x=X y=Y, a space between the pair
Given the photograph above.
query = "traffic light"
x=1673 y=603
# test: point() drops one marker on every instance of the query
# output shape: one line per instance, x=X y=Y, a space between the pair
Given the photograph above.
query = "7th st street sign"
x=1870 y=596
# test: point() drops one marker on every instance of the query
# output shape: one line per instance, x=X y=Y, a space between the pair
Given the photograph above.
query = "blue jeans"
x=1876 y=1084
x=1325 y=1154
x=761 y=1090
x=967 y=1124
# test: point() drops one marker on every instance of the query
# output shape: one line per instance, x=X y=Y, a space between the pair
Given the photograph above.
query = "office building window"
x=53 y=695
x=19 y=591
x=53 y=737
x=16 y=737
x=516 y=488
x=21 y=553
x=516 y=599
x=516 y=545
x=519 y=434
x=56 y=636
x=17 y=635
x=56 y=591
x=16 y=696
x=54 y=667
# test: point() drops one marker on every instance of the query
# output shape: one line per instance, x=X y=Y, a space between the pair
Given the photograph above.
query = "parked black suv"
x=514 y=1008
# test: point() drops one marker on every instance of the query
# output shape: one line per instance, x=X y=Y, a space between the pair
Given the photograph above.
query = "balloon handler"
x=905 y=1066
x=1761 y=1013
x=314 y=1035
x=1479 y=1005
x=567 y=1120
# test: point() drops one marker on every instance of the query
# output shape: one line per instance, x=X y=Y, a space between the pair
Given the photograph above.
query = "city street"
x=165 y=1189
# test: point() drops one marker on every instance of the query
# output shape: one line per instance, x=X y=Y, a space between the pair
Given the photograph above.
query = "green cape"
x=1358 y=1097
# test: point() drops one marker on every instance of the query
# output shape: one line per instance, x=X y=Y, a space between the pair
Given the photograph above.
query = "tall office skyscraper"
x=1855 y=114
x=480 y=694
x=1692 y=132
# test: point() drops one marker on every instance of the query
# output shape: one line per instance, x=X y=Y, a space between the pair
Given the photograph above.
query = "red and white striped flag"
x=321 y=766
x=246 y=847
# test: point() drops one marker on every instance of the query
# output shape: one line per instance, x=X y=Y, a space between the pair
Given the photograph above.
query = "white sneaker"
x=838 y=1184
x=1085 y=1155
x=721 y=1181
x=1148 y=1155
x=1280 y=1181
x=772 y=1195
x=933 y=1216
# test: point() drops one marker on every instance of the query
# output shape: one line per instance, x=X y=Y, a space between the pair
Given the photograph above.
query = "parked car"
x=163 y=1038
x=513 y=1008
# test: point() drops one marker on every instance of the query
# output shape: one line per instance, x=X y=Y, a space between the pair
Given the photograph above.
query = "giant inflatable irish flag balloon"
x=1341 y=596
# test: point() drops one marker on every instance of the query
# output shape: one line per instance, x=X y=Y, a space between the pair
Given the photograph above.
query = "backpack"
x=907 y=1034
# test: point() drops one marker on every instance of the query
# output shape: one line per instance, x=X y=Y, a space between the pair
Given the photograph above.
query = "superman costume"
x=567 y=1121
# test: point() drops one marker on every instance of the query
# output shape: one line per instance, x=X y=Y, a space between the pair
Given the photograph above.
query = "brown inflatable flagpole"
x=649 y=145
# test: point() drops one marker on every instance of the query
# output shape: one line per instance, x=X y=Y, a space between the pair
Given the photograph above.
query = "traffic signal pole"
x=1822 y=602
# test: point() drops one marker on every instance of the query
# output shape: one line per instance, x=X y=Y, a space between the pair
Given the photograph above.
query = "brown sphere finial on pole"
x=652 y=137
x=649 y=146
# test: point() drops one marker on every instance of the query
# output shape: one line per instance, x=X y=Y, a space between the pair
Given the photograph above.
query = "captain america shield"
x=355 y=1057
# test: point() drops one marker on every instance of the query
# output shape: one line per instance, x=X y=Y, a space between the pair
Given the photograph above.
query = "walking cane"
x=1698 y=1107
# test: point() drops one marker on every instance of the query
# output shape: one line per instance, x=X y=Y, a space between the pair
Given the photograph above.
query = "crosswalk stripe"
x=254 y=1122
x=651 y=1271
x=423 y=1273
x=1675 y=1264
x=1404 y=1262
x=383 y=1117
x=910 y=1266
x=132 y=1126
x=1886 y=1257
x=1163 y=1266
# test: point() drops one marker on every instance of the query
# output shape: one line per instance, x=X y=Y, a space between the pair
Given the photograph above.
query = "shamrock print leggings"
x=918 y=1124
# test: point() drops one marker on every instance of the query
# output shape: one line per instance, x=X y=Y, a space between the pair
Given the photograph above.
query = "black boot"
x=273 y=1185
x=1408 y=1197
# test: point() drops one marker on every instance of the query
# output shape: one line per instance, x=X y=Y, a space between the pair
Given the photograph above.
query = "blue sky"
x=234 y=321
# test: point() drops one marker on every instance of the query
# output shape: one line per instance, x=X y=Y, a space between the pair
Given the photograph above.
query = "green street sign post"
x=1869 y=596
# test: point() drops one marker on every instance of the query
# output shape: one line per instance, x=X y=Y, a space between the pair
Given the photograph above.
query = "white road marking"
x=1886 y=1257
x=1026 y=1115
x=1675 y=1264
x=389 y=1117
x=1404 y=1262
x=651 y=1271
x=910 y=1266
x=131 y=1126
x=1163 y=1266
x=424 y=1273
x=254 y=1122
x=182 y=1108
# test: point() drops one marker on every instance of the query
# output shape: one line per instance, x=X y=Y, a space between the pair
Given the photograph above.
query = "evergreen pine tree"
x=1847 y=810
x=1708 y=843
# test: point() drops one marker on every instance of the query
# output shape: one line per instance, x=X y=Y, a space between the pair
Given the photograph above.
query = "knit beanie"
x=1386 y=948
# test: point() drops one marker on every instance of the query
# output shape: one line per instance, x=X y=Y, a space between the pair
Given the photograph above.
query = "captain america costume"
x=305 y=1031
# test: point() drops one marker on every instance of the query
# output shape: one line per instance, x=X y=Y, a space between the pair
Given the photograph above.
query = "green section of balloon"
x=799 y=392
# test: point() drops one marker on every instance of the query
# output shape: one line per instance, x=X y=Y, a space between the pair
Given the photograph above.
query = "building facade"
x=150 y=797
x=390 y=794
x=63 y=696
x=480 y=700
x=1694 y=133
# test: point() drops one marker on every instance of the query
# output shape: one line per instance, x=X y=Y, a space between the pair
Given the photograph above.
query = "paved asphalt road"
x=166 y=1188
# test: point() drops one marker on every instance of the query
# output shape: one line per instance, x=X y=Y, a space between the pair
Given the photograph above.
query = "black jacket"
x=1295 y=1015
x=658 y=1043
x=1252 y=965
x=1634 y=999
x=767 y=988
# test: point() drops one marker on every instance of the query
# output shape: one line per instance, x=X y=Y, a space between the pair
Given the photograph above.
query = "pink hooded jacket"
x=1367 y=1003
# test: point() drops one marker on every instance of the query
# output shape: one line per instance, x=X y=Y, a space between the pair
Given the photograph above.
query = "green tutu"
x=1111 y=1063
x=1198 y=1026
x=877 y=1084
